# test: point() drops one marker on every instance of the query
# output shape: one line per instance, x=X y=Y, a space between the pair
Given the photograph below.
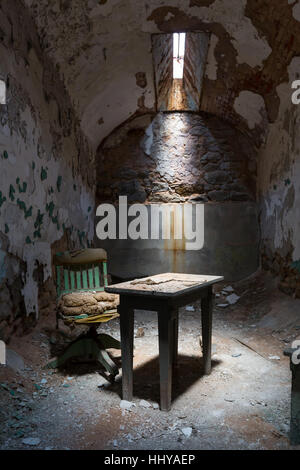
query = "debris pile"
x=228 y=297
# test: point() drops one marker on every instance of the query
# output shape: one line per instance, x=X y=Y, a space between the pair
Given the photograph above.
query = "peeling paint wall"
x=99 y=47
x=43 y=154
x=279 y=190
x=102 y=59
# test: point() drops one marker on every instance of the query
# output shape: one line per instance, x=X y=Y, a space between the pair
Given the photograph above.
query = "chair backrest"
x=80 y=271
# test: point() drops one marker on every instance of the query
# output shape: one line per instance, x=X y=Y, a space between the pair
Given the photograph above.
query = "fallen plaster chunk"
x=140 y=333
x=14 y=360
x=228 y=289
x=145 y=404
x=274 y=358
x=126 y=405
x=31 y=441
x=232 y=299
x=155 y=406
x=222 y=305
x=189 y=308
x=187 y=431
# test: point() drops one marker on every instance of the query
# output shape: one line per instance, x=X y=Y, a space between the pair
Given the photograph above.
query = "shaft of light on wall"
x=178 y=54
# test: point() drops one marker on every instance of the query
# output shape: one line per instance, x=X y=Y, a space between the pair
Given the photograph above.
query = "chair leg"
x=107 y=341
x=80 y=347
x=102 y=356
x=85 y=347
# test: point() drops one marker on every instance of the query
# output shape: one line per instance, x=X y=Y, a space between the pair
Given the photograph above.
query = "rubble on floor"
x=243 y=404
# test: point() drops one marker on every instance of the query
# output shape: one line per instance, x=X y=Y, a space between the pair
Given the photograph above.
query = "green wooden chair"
x=85 y=271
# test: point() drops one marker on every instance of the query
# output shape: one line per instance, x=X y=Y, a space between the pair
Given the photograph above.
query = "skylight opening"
x=178 y=54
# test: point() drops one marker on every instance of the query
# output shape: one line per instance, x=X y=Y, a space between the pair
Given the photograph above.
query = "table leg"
x=175 y=337
x=295 y=406
x=206 y=318
x=126 y=325
x=165 y=333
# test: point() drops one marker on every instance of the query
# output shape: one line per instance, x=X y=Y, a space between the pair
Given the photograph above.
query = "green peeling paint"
x=37 y=224
x=22 y=206
x=28 y=240
x=58 y=183
x=11 y=192
x=44 y=173
x=74 y=187
x=55 y=221
x=22 y=189
x=287 y=181
x=6 y=228
x=50 y=208
x=33 y=165
x=5 y=154
x=39 y=220
x=296 y=265
x=2 y=199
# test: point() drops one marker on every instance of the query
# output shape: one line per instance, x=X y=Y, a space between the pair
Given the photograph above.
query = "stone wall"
x=46 y=177
x=176 y=157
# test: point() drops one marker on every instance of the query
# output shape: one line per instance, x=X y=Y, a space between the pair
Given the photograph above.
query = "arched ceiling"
x=98 y=47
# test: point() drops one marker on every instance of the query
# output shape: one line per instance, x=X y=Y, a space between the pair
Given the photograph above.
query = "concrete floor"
x=243 y=404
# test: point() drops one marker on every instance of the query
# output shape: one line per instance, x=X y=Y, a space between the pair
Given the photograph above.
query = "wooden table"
x=163 y=293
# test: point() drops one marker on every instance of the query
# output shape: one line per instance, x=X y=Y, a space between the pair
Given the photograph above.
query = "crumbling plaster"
x=44 y=190
x=251 y=107
x=279 y=174
x=96 y=50
x=99 y=47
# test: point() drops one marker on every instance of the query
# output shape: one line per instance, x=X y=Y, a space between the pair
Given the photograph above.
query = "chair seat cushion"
x=88 y=303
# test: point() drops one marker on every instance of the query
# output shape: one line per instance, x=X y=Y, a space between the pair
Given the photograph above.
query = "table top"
x=164 y=285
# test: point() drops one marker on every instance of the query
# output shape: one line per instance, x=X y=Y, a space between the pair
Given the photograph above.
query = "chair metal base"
x=90 y=346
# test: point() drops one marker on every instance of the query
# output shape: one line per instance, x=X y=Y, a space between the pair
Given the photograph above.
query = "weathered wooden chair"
x=84 y=272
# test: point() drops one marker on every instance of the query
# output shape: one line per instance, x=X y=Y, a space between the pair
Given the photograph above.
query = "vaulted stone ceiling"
x=102 y=50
